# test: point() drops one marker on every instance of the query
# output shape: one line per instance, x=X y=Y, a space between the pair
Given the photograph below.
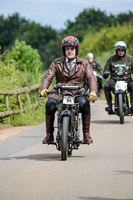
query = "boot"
x=131 y=101
x=108 y=98
x=86 y=128
x=131 y=98
x=109 y=102
x=49 y=129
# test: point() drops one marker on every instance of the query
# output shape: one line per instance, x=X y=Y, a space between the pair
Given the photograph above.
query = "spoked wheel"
x=64 y=138
x=121 y=110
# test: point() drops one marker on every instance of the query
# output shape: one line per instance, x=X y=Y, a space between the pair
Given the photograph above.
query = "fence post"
x=20 y=103
x=18 y=92
x=28 y=98
x=7 y=104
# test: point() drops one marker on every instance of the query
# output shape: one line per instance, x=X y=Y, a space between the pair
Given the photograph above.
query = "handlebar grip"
x=66 y=87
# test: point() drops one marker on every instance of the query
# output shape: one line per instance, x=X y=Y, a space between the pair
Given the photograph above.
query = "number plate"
x=121 y=85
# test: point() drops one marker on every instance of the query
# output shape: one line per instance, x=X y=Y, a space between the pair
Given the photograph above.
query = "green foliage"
x=9 y=28
x=13 y=77
x=10 y=77
x=104 y=40
x=51 y=51
x=93 y=20
x=30 y=117
x=29 y=44
x=47 y=40
x=39 y=37
x=90 y=20
x=42 y=38
x=25 y=57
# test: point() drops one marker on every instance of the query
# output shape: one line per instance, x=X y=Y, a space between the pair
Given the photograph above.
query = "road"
x=100 y=171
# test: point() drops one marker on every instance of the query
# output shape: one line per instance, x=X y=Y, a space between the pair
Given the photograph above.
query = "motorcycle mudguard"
x=119 y=92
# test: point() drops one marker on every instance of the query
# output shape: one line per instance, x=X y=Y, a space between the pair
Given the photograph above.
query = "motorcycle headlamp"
x=120 y=71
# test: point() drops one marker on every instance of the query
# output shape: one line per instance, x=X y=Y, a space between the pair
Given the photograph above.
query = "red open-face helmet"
x=70 y=41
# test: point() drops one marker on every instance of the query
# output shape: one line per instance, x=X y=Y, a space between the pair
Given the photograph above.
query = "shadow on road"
x=100 y=198
x=124 y=172
x=39 y=157
x=106 y=122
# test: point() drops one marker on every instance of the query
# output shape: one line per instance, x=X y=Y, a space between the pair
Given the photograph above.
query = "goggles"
x=69 y=43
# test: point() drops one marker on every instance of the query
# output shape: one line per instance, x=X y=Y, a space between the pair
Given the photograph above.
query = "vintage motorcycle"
x=121 y=102
x=68 y=120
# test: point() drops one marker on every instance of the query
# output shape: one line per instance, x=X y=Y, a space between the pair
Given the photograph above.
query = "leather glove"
x=92 y=96
x=43 y=93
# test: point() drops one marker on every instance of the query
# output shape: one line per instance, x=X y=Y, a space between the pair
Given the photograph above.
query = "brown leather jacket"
x=64 y=76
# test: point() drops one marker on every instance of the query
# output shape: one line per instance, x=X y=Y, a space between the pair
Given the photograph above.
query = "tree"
x=90 y=20
x=42 y=38
x=93 y=20
x=104 y=40
x=25 y=57
x=9 y=29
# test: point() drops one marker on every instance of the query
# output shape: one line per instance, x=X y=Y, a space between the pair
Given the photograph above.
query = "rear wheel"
x=64 y=138
x=121 y=110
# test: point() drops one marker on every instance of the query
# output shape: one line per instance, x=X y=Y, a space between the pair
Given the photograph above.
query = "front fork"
x=73 y=126
x=61 y=113
x=125 y=104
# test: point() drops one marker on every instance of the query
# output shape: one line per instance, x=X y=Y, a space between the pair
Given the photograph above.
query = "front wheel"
x=120 y=107
x=64 y=138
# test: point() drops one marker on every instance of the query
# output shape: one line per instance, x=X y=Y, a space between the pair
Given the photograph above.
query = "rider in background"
x=119 y=58
x=69 y=70
x=96 y=67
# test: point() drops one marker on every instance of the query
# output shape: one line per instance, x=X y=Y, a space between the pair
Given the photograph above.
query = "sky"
x=55 y=13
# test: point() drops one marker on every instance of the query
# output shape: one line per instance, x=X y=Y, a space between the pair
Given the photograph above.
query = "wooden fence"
x=18 y=92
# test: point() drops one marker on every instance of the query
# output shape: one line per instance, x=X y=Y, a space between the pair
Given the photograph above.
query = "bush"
x=25 y=58
x=14 y=76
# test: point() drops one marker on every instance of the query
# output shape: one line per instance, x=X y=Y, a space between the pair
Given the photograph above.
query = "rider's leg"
x=130 y=87
x=84 y=108
x=99 y=80
x=50 y=114
x=86 y=128
x=131 y=99
x=108 y=95
x=108 y=87
x=49 y=129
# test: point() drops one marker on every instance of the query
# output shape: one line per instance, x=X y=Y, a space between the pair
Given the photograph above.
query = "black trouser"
x=84 y=105
x=109 y=86
x=99 y=82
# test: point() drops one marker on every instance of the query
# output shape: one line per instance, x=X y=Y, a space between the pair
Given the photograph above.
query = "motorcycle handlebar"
x=67 y=87
x=77 y=90
x=113 y=73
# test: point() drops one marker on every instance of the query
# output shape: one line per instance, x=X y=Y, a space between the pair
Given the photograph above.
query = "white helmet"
x=90 y=55
x=120 y=45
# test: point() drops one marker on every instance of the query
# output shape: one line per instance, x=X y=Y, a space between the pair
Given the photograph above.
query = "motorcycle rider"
x=119 y=58
x=69 y=70
x=96 y=67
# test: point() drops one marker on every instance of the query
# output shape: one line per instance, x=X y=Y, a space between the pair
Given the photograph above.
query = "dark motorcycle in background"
x=121 y=101
x=99 y=79
x=68 y=120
